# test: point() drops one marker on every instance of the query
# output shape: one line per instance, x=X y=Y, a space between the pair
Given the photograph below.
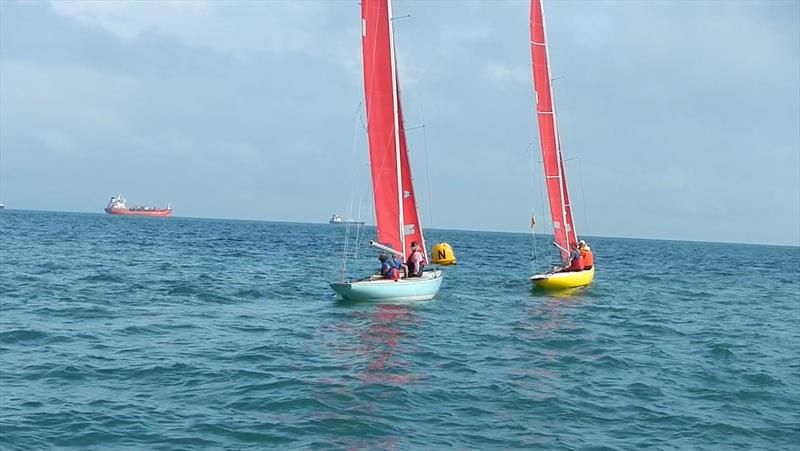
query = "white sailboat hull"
x=380 y=289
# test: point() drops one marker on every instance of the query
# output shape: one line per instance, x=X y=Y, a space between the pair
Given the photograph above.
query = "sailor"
x=586 y=253
x=401 y=267
x=575 y=260
x=388 y=269
x=416 y=261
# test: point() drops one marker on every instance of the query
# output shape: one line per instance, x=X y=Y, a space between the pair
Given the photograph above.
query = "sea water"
x=179 y=333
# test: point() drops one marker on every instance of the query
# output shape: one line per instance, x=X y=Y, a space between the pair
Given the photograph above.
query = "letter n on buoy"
x=442 y=254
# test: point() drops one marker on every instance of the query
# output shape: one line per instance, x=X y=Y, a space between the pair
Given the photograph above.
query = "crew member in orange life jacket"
x=586 y=253
x=575 y=260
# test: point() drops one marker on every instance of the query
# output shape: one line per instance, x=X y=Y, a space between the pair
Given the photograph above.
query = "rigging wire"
x=425 y=150
x=529 y=154
x=360 y=227
x=352 y=192
x=364 y=199
x=583 y=191
x=583 y=196
x=541 y=189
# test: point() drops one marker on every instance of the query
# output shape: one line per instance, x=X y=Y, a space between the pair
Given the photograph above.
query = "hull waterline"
x=563 y=280
x=413 y=289
x=347 y=222
x=127 y=212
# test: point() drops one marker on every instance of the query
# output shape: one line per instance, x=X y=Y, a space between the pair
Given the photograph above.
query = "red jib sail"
x=555 y=179
x=393 y=191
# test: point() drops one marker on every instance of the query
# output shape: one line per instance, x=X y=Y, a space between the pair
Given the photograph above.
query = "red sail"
x=380 y=94
x=555 y=180
x=413 y=228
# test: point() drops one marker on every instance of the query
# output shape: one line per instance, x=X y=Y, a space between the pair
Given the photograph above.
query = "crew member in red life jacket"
x=586 y=253
x=416 y=261
x=388 y=269
x=575 y=261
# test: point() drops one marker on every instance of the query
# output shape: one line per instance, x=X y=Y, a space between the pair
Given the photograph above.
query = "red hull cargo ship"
x=117 y=206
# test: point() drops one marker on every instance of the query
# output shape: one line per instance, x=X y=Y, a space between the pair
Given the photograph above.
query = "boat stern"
x=563 y=280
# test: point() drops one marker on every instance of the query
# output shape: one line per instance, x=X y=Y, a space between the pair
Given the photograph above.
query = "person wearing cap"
x=416 y=261
x=388 y=269
x=586 y=253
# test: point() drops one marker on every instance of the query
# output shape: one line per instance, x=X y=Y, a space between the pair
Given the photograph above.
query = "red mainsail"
x=393 y=191
x=555 y=179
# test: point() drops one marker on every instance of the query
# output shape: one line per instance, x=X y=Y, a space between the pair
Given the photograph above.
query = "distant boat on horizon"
x=2 y=206
x=118 y=206
x=336 y=219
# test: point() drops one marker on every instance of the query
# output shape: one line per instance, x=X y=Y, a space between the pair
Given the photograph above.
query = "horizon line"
x=680 y=240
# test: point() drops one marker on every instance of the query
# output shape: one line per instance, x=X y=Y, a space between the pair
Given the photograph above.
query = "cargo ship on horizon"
x=336 y=219
x=118 y=206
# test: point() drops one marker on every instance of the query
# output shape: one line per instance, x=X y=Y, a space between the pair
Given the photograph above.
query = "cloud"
x=129 y=20
x=232 y=104
x=460 y=35
x=237 y=28
x=503 y=73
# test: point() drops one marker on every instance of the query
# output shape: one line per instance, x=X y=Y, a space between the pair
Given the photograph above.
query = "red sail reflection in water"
x=381 y=343
x=376 y=357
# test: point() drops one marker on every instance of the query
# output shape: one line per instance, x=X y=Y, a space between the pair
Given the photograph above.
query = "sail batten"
x=393 y=192
x=555 y=180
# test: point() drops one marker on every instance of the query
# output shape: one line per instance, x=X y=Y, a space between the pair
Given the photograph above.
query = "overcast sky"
x=680 y=120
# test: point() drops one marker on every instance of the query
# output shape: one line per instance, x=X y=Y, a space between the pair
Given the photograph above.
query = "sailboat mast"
x=395 y=107
x=559 y=155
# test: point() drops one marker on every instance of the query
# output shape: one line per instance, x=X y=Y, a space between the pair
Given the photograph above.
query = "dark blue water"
x=204 y=334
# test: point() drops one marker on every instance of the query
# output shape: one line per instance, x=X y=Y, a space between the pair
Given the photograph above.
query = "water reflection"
x=382 y=344
x=566 y=293
x=548 y=315
x=376 y=340
x=547 y=327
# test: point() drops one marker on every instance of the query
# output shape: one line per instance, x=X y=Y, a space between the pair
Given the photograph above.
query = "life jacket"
x=577 y=264
x=389 y=271
x=415 y=270
x=588 y=258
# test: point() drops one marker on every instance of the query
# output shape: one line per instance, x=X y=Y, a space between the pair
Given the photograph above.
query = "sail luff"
x=555 y=180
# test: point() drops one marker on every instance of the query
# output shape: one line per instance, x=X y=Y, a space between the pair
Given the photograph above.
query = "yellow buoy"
x=442 y=254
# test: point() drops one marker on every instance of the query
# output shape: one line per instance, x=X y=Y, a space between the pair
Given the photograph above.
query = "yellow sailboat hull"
x=563 y=280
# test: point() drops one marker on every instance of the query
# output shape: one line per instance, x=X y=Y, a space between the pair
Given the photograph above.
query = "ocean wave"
x=193 y=343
